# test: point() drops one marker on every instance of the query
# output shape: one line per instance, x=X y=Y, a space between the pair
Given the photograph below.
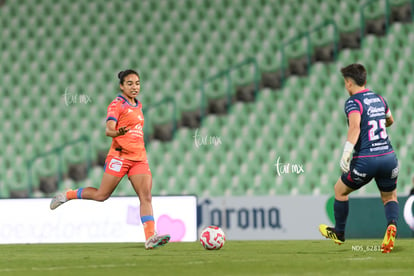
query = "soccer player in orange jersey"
x=127 y=155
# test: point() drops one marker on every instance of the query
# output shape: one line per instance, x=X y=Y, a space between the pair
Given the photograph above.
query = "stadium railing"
x=227 y=74
x=412 y=10
x=58 y=152
x=309 y=48
x=165 y=101
x=387 y=11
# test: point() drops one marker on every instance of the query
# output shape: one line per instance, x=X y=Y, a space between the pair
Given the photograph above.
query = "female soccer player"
x=127 y=155
x=368 y=116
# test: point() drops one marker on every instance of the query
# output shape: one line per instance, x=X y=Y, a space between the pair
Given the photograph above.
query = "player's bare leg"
x=337 y=233
x=108 y=185
x=341 y=190
x=142 y=184
x=391 y=213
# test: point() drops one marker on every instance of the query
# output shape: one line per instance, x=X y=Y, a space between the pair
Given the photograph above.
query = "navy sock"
x=341 y=209
x=391 y=212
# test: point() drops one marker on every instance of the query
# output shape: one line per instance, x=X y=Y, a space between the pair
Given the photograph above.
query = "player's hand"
x=122 y=131
x=346 y=157
x=344 y=163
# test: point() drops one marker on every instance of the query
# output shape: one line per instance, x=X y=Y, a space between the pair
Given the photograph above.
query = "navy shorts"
x=384 y=169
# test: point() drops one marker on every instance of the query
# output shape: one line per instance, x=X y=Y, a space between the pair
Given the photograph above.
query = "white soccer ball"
x=212 y=238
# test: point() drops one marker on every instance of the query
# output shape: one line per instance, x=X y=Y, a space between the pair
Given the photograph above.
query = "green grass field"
x=319 y=257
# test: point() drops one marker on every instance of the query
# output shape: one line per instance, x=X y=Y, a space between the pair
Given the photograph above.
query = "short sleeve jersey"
x=373 y=139
x=131 y=145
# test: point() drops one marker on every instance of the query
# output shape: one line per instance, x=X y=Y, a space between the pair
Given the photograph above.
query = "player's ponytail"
x=120 y=75
x=123 y=74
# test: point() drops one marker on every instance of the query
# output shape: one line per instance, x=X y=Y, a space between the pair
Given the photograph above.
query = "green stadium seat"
x=282 y=189
x=17 y=179
x=48 y=49
x=4 y=190
x=68 y=184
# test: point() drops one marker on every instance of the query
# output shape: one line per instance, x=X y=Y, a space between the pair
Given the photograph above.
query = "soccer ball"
x=212 y=238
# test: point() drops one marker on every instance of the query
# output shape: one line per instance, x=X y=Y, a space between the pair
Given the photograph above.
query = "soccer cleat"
x=58 y=200
x=156 y=241
x=389 y=239
x=329 y=233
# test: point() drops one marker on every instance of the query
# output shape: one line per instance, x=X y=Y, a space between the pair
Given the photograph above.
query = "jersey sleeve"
x=387 y=109
x=352 y=105
x=113 y=111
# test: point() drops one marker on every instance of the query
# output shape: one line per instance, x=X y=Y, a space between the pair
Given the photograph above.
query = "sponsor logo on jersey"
x=372 y=100
x=375 y=111
x=379 y=144
x=115 y=165
x=137 y=130
x=395 y=172
x=359 y=173
x=379 y=148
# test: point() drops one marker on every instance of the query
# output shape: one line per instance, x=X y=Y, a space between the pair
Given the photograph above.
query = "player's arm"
x=111 y=129
x=354 y=130
x=113 y=114
x=389 y=120
x=354 y=127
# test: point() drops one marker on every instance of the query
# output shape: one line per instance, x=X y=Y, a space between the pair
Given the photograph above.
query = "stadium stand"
x=59 y=68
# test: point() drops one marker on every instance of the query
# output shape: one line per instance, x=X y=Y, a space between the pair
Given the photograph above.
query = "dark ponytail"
x=123 y=74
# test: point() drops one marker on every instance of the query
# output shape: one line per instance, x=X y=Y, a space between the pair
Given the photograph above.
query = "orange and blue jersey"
x=131 y=145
